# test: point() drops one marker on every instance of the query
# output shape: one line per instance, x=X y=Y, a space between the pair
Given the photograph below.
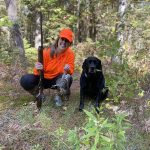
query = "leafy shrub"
x=122 y=81
x=5 y=49
x=31 y=54
x=100 y=133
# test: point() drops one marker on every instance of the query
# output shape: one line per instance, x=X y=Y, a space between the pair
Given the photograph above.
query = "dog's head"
x=92 y=65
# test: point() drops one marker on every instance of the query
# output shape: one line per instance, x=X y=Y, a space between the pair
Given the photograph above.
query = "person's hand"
x=66 y=68
x=38 y=66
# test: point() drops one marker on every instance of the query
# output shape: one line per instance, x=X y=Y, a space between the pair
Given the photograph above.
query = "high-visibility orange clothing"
x=55 y=66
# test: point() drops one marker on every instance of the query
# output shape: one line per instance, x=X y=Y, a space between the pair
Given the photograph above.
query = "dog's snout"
x=92 y=68
x=92 y=65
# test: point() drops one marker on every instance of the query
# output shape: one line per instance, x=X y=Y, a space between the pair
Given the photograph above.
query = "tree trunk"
x=120 y=29
x=88 y=19
x=92 y=22
x=37 y=32
x=78 y=32
x=16 y=38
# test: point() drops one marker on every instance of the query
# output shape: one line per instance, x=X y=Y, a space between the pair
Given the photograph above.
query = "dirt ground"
x=22 y=128
x=16 y=134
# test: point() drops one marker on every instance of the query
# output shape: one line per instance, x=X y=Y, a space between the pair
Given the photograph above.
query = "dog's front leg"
x=97 y=103
x=81 y=106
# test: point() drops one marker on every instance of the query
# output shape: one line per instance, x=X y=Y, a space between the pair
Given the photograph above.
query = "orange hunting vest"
x=55 y=66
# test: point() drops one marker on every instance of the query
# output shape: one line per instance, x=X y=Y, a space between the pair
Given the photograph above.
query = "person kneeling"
x=58 y=66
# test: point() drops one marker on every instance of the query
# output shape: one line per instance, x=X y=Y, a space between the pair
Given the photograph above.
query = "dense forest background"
x=117 y=32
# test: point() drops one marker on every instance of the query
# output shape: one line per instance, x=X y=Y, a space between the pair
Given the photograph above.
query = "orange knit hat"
x=66 y=33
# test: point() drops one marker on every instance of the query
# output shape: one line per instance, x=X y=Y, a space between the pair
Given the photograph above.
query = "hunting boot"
x=63 y=89
x=58 y=99
x=63 y=84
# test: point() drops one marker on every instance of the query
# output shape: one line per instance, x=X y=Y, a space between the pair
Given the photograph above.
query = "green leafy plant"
x=37 y=147
x=73 y=139
x=31 y=54
x=100 y=133
x=44 y=120
x=4 y=21
x=122 y=82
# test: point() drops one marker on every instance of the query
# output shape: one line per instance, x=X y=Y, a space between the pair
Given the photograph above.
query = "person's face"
x=63 y=44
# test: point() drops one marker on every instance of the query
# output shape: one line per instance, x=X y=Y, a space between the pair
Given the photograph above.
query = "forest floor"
x=22 y=128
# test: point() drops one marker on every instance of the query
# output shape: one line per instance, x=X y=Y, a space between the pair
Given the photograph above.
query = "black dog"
x=92 y=82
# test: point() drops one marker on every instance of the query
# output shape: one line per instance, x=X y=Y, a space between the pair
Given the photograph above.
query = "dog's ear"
x=84 y=65
x=99 y=66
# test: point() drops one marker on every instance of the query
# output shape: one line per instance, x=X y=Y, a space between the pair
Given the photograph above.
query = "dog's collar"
x=98 y=70
x=85 y=75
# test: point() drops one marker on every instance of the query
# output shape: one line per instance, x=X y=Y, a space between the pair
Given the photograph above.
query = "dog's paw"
x=97 y=111
x=80 y=109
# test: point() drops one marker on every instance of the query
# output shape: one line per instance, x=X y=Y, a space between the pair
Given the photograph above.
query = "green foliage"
x=59 y=137
x=100 y=133
x=108 y=47
x=30 y=53
x=122 y=81
x=37 y=147
x=137 y=51
x=55 y=17
x=73 y=139
x=59 y=132
x=44 y=120
x=1 y=147
x=60 y=19
x=5 y=49
x=58 y=140
x=5 y=22
x=5 y=56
